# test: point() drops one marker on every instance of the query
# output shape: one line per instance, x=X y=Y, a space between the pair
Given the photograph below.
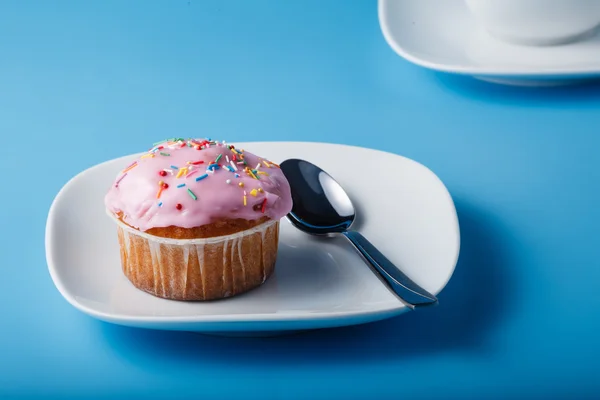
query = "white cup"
x=537 y=22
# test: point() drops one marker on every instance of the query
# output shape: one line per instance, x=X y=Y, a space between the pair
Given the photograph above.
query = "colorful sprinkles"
x=225 y=161
x=181 y=172
x=131 y=166
x=120 y=179
x=264 y=205
x=192 y=195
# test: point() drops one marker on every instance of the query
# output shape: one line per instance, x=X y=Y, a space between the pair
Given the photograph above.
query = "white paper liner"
x=198 y=269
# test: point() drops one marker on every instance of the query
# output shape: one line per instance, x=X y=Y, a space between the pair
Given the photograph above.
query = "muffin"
x=198 y=219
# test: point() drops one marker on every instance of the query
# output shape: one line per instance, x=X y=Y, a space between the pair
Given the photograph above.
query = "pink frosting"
x=219 y=195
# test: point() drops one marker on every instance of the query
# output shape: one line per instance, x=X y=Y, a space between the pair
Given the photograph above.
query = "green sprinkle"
x=157 y=143
x=164 y=154
x=218 y=157
x=192 y=195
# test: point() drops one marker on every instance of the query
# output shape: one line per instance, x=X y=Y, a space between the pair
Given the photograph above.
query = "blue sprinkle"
x=201 y=177
x=160 y=204
x=230 y=168
x=237 y=175
x=180 y=186
x=174 y=167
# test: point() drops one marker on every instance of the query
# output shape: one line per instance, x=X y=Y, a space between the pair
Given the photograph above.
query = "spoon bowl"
x=321 y=205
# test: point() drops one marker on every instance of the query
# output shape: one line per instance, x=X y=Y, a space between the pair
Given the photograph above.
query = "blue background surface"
x=84 y=82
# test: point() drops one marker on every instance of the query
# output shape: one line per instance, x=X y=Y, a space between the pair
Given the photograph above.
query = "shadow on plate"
x=573 y=94
x=471 y=306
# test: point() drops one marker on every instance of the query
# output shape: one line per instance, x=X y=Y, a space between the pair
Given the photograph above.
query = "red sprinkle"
x=234 y=158
x=178 y=206
x=264 y=204
x=165 y=185
x=198 y=162
x=198 y=147
x=162 y=173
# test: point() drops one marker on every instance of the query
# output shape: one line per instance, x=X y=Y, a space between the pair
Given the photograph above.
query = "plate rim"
x=338 y=318
x=384 y=19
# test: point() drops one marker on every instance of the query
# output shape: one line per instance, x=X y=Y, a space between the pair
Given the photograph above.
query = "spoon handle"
x=408 y=291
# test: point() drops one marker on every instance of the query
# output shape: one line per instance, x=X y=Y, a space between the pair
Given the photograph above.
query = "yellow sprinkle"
x=147 y=155
x=159 y=192
x=241 y=184
x=254 y=192
x=266 y=164
x=182 y=171
x=160 y=183
x=129 y=168
x=252 y=175
x=244 y=200
x=262 y=173
x=260 y=190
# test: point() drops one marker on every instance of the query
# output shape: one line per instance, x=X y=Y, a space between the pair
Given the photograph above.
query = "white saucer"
x=404 y=209
x=443 y=36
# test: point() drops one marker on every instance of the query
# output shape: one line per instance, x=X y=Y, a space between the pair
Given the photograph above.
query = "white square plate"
x=404 y=209
x=443 y=36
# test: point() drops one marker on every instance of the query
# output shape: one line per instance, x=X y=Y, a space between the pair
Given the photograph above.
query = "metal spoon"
x=322 y=207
